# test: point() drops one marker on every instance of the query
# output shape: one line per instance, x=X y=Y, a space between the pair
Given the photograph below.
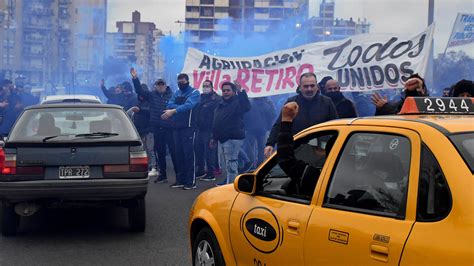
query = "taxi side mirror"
x=246 y=183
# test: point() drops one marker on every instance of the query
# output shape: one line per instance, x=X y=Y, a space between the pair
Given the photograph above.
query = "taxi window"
x=464 y=142
x=434 y=197
x=371 y=175
x=295 y=180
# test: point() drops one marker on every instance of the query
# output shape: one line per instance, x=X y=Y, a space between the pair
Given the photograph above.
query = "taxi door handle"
x=378 y=252
x=293 y=227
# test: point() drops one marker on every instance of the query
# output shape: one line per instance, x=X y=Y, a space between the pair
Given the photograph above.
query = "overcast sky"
x=387 y=16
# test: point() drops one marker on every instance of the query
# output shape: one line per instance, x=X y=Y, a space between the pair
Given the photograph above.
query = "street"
x=98 y=236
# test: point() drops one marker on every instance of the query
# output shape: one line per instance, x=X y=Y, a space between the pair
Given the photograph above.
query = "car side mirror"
x=246 y=183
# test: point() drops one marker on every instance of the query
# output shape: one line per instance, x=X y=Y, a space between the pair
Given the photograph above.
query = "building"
x=207 y=19
x=134 y=43
x=326 y=27
x=56 y=42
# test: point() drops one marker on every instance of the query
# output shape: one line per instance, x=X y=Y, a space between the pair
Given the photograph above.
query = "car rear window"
x=76 y=124
x=464 y=143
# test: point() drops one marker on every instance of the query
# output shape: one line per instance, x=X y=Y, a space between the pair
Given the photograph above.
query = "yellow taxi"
x=392 y=190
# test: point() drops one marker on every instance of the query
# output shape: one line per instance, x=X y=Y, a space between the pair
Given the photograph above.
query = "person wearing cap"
x=314 y=109
x=162 y=129
x=228 y=128
x=414 y=87
x=463 y=88
x=303 y=175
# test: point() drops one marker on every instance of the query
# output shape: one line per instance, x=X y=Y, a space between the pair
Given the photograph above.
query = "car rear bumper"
x=93 y=189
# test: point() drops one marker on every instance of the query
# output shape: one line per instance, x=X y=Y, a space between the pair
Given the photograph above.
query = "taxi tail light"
x=138 y=161
x=9 y=166
x=2 y=159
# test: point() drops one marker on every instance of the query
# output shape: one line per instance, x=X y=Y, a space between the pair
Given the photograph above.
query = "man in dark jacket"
x=162 y=129
x=414 y=87
x=121 y=94
x=345 y=107
x=228 y=126
x=303 y=175
x=314 y=109
x=181 y=108
x=140 y=114
x=206 y=155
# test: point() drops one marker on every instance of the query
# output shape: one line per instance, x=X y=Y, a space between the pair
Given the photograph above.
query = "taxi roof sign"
x=437 y=105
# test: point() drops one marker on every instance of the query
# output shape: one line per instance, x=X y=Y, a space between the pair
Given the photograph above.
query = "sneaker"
x=160 y=180
x=153 y=172
x=200 y=176
x=208 y=178
x=189 y=187
x=177 y=185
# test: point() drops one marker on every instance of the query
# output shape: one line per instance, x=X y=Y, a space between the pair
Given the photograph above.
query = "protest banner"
x=360 y=63
x=463 y=30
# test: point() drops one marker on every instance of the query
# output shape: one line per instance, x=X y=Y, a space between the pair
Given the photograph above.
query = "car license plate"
x=69 y=172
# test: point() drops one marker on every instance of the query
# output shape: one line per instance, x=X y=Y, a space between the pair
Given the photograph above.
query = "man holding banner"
x=314 y=109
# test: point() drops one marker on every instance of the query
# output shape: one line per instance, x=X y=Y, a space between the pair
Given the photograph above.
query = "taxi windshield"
x=464 y=142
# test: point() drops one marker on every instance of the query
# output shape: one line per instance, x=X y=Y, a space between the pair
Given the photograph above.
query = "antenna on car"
x=73 y=83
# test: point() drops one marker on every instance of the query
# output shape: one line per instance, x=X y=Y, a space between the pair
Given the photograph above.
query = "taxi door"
x=269 y=227
x=268 y=231
x=367 y=204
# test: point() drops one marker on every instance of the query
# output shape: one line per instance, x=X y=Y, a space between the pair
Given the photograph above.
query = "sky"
x=385 y=16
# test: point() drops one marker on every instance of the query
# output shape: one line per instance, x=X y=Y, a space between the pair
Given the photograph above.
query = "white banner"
x=360 y=63
x=463 y=30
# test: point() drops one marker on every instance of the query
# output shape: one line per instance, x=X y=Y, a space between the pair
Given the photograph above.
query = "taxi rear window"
x=464 y=143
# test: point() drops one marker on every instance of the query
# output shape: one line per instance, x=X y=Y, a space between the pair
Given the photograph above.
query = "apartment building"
x=134 y=43
x=206 y=20
x=58 y=42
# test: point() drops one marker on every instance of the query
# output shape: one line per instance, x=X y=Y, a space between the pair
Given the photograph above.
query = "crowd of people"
x=204 y=132
x=207 y=133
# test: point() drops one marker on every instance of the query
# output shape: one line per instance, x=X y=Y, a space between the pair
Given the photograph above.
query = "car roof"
x=78 y=98
x=74 y=105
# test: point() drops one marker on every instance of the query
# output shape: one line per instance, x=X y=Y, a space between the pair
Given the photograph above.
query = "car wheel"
x=9 y=221
x=206 y=250
x=137 y=216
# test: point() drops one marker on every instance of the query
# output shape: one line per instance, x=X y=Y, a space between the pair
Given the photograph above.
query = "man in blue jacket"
x=181 y=108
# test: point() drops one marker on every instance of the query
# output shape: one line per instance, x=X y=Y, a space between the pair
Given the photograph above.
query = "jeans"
x=230 y=151
x=164 y=138
x=184 y=143
x=205 y=156
x=149 y=145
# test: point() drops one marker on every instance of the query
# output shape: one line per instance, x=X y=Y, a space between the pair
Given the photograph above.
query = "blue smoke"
x=284 y=34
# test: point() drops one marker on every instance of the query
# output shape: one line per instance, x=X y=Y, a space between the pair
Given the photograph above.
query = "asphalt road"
x=99 y=236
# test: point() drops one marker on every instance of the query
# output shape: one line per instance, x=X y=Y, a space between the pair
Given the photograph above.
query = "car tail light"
x=2 y=159
x=9 y=167
x=30 y=170
x=116 y=168
x=138 y=161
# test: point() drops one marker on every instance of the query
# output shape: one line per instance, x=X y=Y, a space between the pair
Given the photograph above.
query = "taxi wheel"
x=206 y=250
x=137 y=215
x=9 y=221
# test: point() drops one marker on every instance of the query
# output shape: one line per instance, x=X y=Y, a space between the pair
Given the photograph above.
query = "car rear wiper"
x=55 y=136
x=97 y=135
